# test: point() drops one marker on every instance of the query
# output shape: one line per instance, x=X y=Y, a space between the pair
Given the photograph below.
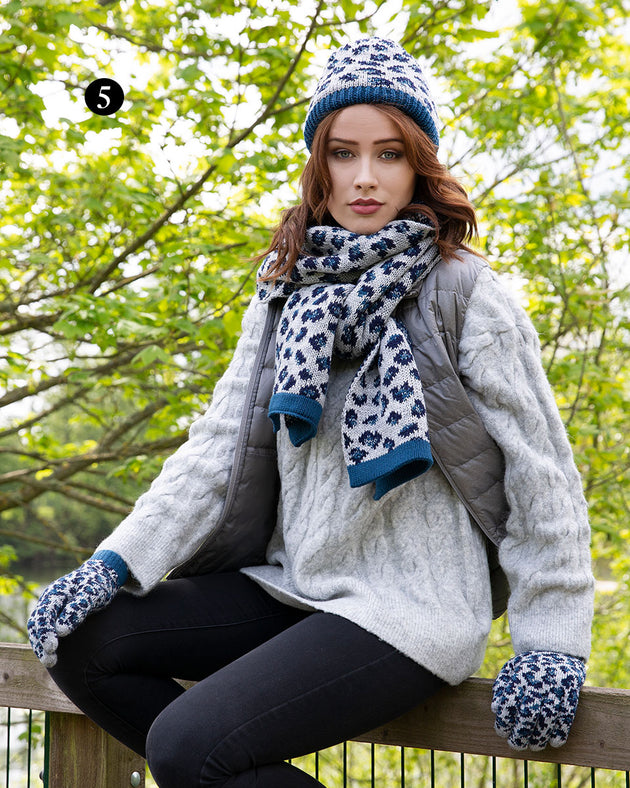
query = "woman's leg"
x=319 y=682
x=119 y=665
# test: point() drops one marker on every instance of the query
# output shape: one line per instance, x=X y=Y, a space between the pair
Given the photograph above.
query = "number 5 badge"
x=104 y=96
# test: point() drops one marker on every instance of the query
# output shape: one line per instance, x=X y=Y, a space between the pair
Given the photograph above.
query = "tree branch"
x=27 y=423
x=150 y=46
x=266 y=112
x=70 y=491
x=518 y=66
x=70 y=466
x=98 y=279
x=20 y=536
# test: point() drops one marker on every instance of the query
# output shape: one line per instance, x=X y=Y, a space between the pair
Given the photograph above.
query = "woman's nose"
x=365 y=177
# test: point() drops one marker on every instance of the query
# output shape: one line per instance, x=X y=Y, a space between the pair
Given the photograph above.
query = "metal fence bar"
x=28 y=748
x=46 y=771
x=20 y=747
x=8 y=746
x=402 y=767
x=372 y=765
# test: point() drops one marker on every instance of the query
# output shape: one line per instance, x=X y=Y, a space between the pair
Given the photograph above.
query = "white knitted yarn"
x=411 y=568
x=373 y=71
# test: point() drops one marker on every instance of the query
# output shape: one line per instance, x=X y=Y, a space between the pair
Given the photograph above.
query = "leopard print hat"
x=373 y=71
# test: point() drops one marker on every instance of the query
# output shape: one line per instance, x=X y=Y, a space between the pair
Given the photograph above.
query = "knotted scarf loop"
x=340 y=299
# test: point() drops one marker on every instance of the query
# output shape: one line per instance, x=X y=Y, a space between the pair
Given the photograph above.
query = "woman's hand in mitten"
x=535 y=697
x=66 y=602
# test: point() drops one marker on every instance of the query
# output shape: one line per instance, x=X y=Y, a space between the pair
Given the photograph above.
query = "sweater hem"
x=432 y=657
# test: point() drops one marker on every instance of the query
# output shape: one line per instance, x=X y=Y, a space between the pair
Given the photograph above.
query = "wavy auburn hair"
x=438 y=196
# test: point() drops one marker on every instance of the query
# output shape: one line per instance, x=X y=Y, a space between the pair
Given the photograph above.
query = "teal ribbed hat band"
x=373 y=71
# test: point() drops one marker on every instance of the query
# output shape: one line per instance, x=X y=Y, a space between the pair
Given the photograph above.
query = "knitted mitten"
x=535 y=698
x=66 y=602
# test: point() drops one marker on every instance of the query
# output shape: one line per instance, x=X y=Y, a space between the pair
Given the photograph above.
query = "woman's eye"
x=388 y=155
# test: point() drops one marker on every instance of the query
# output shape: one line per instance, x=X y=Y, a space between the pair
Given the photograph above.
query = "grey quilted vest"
x=460 y=444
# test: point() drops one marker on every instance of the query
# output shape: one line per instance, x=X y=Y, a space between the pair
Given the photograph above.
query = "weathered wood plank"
x=25 y=684
x=82 y=754
x=458 y=719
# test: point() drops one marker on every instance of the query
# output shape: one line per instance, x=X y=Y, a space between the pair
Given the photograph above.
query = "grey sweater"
x=411 y=568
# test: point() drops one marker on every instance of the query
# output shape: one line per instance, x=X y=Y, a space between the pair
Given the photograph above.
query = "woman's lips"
x=365 y=208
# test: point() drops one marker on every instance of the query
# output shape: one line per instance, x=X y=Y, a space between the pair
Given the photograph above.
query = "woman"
x=348 y=594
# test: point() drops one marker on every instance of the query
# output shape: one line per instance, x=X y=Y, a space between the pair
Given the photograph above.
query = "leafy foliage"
x=126 y=241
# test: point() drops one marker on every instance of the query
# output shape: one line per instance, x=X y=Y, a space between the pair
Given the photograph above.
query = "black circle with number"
x=104 y=96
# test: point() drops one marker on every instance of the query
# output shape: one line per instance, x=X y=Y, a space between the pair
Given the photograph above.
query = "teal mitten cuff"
x=115 y=562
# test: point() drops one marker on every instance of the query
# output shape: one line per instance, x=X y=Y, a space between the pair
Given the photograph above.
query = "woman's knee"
x=163 y=755
x=172 y=750
x=191 y=744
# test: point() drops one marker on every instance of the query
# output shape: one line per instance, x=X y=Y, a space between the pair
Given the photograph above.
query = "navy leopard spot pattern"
x=66 y=602
x=340 y=299
x=535 y=697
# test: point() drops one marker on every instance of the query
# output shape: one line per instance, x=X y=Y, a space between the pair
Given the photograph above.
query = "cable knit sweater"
x=410 y=567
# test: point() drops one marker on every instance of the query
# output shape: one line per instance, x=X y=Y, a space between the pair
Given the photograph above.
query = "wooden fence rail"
x=457 y=719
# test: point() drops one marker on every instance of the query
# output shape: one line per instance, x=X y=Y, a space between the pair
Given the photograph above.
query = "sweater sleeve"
x=186 y=499
x=546 y=552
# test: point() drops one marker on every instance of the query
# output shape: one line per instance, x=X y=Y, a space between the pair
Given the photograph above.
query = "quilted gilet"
x=469 y=458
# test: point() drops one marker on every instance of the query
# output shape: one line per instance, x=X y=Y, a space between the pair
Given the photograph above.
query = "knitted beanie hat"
x=372 y=71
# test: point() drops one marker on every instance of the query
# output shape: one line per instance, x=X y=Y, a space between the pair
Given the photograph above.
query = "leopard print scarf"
x=340 y=299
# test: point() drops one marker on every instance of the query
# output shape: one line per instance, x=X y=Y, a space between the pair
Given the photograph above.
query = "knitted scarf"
x=340 y=299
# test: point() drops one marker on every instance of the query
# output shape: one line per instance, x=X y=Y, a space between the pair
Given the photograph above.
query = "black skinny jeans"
x=274 y=682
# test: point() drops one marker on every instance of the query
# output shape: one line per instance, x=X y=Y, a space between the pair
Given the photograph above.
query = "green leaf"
x=150 y=355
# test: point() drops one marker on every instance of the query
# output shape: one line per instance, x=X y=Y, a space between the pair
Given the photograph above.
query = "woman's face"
x=372 y=179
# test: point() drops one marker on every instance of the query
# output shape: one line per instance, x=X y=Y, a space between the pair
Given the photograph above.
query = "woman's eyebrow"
x=354 y=142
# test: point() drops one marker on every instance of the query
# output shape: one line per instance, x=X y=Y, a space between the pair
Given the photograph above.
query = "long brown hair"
x=438 y=196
